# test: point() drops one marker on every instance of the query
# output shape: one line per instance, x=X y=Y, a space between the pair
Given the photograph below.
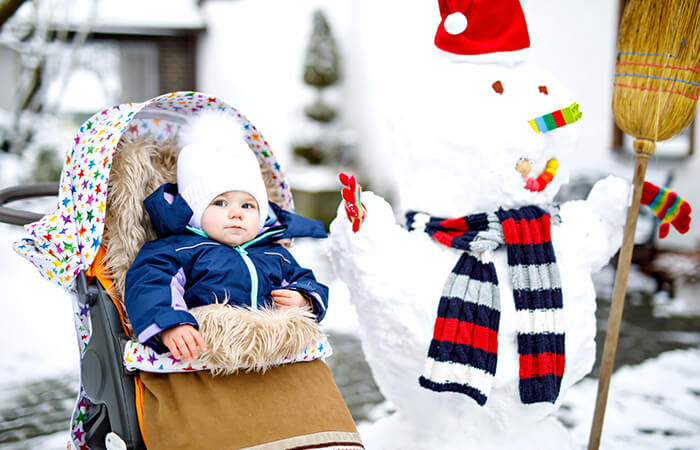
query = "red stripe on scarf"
x=443 y=238
x=467 y=333
x=523 y=232
x=541 y=364
x=457 y=224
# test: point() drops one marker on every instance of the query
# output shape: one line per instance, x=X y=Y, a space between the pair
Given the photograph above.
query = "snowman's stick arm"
x=644 y=149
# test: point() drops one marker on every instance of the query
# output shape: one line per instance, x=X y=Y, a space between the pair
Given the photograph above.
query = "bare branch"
x=8 y=8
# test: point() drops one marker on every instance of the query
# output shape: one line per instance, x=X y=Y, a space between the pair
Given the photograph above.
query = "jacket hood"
x=170 y=214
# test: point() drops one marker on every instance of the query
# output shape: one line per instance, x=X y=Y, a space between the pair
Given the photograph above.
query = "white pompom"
x=214 y=128
x=455 y=23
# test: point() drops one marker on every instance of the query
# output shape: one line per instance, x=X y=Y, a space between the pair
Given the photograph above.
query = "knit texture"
x=668 y=207
x=215 y=158
x=463 y=353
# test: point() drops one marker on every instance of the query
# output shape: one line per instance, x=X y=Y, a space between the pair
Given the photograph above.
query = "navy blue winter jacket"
x=181 y=270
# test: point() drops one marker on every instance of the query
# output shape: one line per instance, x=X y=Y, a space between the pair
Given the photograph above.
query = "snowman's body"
x=454 y=162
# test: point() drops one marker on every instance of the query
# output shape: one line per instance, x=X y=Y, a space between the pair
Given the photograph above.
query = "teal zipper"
x=253 y=276
x=241 y=249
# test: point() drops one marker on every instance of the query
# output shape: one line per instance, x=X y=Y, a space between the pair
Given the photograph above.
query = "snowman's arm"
x=592 y=228
x=380 y=254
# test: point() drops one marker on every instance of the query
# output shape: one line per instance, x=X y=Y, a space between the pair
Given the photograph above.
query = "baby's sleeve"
x=154 y=293
x=303 y=280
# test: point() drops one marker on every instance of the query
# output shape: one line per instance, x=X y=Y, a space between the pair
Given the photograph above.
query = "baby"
x=217 y=240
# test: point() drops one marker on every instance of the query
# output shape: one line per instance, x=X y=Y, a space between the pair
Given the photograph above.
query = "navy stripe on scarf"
x=463 y=353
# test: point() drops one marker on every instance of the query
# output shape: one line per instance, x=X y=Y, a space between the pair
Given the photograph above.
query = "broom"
x=656 y=88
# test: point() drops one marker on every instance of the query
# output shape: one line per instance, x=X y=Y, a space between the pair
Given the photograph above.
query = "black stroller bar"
x=11 y=194
x=105 y=380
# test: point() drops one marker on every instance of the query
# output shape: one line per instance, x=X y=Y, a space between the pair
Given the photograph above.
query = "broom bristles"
x=657 y=76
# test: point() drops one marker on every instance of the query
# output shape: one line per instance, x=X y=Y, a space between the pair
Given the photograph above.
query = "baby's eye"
x=248 y=205
x=220 y=203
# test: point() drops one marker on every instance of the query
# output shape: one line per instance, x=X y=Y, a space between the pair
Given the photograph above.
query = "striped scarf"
x=464 y=349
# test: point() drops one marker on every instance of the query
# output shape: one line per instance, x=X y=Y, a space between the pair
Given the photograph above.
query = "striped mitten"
x=668 y=207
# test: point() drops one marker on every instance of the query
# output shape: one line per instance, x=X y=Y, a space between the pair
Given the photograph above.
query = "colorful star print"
x=86 y=173
x=138 y=356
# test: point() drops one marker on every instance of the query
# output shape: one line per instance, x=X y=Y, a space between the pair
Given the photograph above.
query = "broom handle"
x=644 y=149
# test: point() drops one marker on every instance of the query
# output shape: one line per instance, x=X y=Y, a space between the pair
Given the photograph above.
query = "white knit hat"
x=216 y=159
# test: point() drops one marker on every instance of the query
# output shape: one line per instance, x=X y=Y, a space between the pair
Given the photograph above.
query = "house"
x=134 y=51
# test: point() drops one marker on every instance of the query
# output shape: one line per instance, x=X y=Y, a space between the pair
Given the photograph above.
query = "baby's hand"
x=288 y=297
x=183 y=340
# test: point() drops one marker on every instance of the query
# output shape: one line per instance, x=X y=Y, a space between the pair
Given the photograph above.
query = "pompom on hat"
x=482 y=30
x=215 y=159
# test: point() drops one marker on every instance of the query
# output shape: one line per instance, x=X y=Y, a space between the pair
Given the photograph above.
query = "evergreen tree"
x=321 y=67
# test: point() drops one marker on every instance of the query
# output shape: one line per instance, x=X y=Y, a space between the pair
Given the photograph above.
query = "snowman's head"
x=472 y=147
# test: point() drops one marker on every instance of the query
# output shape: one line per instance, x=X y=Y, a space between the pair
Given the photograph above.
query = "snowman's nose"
x=556 y=119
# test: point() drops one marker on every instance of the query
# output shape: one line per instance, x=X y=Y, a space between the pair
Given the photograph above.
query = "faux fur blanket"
x=253 y=340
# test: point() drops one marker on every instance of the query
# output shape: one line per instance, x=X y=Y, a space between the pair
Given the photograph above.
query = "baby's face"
x=232 y=218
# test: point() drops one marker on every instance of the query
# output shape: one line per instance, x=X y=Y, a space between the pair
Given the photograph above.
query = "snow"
x=108 y=15
x=38 y=319
x=653 y=405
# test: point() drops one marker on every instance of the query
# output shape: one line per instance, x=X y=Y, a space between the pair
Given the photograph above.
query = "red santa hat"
x=485 y=30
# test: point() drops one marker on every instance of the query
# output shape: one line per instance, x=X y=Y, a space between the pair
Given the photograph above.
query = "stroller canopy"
x=66 y=241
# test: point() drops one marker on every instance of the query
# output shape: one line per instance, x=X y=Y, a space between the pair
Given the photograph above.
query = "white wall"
x=576 y=41
x=252 y=57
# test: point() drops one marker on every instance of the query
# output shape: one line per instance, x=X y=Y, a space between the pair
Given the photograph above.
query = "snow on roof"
x=124 y=16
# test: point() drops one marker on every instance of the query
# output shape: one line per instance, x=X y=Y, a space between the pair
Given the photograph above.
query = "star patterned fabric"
x=66 y=241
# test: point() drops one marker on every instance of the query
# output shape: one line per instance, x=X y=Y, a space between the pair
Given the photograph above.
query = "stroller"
x=120 y=155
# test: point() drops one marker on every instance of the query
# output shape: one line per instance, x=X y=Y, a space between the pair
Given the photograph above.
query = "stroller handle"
x=11 y=194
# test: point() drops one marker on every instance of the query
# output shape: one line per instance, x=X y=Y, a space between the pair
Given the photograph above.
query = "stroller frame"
x=113 y=421
x=105 y=380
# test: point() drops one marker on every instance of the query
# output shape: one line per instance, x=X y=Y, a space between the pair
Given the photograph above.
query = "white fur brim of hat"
x=215 y=158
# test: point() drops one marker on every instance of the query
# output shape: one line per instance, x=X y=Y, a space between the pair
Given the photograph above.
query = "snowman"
x=475 y=300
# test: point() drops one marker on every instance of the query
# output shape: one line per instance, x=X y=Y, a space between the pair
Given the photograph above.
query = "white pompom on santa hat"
x=482 y=30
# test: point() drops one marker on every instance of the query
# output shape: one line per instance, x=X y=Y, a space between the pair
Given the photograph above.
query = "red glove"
x=668 y=207
x=354 y=208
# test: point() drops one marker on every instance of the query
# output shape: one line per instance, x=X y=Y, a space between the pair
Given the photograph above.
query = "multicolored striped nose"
x=556 y=119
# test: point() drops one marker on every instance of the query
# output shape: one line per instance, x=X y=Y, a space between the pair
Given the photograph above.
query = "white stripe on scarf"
x=452 y=372
x=540 y=321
